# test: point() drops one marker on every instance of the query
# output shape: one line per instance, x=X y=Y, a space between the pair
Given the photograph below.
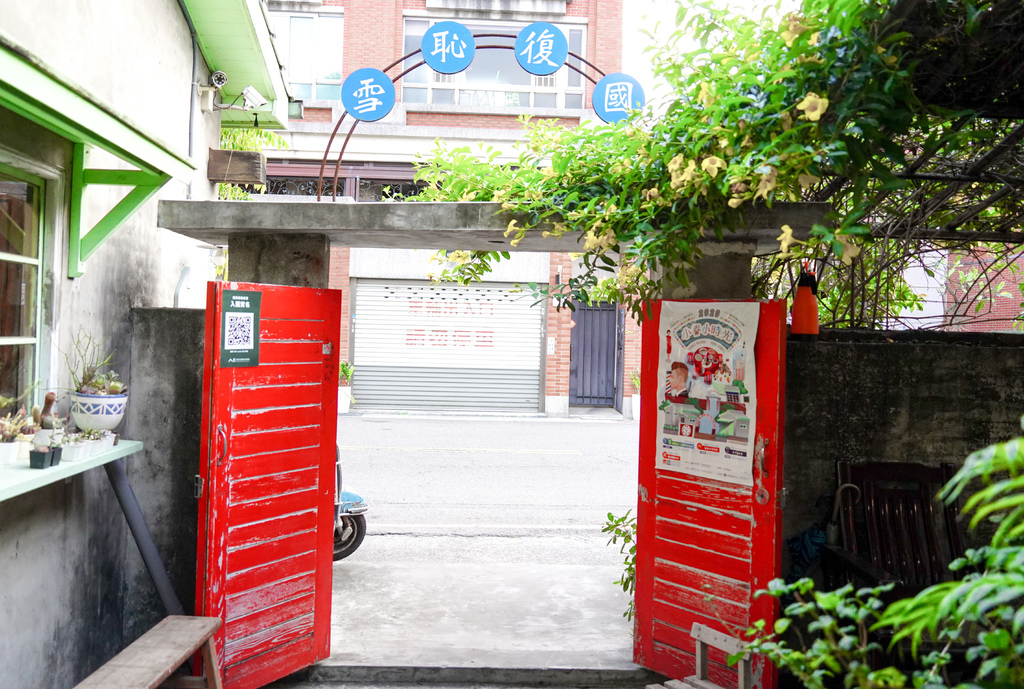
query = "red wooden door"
x=705 y=546
x=267 y=472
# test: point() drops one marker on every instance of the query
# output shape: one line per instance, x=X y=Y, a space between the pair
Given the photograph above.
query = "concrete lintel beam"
x=413 y=225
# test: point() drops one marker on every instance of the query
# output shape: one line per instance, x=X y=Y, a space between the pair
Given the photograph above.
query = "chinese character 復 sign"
x=541 y=48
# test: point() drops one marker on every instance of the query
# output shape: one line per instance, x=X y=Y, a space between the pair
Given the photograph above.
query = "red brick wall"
x=631 y=358
x=559 y=324
x=338 y=278
x=1001 y=311
x=315 y=115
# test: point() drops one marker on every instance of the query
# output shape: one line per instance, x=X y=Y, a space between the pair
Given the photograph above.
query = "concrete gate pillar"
x=298 y=260
x=723 y=273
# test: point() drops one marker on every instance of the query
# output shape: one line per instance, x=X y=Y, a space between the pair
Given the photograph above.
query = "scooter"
x=349 y=522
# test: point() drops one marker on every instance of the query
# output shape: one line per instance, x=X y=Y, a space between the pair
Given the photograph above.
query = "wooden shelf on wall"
x=17 y=479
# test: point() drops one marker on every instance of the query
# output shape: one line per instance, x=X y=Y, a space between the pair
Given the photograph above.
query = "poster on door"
x=708 y=396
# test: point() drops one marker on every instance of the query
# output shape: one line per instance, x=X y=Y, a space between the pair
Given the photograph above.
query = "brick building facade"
x=319 y=43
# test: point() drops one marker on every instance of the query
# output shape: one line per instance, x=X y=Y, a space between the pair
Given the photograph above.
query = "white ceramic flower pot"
x=97 y=412
x=344 y=399
x=635 y=402
x=8 y=453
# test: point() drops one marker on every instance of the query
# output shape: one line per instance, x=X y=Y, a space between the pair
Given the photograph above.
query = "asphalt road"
x=489 y=490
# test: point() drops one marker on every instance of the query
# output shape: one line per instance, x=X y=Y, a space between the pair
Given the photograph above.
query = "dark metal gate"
x=594 y=356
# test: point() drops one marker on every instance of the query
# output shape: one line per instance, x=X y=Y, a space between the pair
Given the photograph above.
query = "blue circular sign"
x=615 y=95
x=368 y=94
x=448 y=47
x=541 y=48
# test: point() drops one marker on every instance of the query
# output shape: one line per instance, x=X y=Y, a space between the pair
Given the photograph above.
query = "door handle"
x=222 y=436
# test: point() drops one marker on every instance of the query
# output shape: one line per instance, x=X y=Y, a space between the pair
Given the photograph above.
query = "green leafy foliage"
x=816 y=105
x=624 y=529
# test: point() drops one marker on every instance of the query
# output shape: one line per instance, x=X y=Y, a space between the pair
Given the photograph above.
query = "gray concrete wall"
x=924 y=398
x=167 y=404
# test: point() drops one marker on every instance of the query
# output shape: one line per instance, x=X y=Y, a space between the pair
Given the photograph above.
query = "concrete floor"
x=479 y=615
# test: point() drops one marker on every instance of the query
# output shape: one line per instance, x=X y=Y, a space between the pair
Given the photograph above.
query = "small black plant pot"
x=56 y=453
x=39 y=460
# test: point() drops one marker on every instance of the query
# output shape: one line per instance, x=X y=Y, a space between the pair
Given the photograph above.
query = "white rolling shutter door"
x=419 y=346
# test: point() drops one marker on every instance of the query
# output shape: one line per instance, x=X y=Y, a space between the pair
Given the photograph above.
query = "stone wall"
x=893 y=396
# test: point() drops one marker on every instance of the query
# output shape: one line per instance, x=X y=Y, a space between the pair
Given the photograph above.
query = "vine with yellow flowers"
x=763 y=110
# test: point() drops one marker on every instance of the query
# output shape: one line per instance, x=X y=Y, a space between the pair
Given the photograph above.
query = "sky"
x=638 y=15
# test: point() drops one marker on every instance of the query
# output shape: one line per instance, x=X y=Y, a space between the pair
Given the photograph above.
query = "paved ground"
x=484 y=551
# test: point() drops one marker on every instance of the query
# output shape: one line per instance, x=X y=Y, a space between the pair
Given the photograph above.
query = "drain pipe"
x=192 y=86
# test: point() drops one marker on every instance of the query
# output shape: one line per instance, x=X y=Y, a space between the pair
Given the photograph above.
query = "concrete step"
x=325 y=676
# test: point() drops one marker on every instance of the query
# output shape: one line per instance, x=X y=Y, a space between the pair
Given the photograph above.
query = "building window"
x=494 y=78
x=311 y=45
x=20 y=268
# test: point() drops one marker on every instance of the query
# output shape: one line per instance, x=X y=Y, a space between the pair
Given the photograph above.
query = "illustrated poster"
x=708 y=394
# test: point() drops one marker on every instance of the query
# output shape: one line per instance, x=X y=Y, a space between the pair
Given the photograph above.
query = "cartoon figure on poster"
x=708 y=408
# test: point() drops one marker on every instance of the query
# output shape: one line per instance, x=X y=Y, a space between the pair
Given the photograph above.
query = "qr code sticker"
x=238 y=331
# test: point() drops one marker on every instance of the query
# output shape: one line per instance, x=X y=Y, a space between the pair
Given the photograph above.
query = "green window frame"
x=21 y=288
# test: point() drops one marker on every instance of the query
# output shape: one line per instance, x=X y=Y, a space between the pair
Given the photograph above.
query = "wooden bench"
x=150 y=660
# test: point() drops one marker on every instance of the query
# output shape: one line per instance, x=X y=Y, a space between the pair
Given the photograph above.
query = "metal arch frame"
x=344 y=145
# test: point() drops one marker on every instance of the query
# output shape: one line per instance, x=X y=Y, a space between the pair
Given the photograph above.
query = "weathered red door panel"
x=705 y=546
x=267 y=465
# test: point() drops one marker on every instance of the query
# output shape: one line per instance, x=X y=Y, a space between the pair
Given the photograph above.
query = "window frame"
x=282 y=21
x=37 y=341
x=457 y=82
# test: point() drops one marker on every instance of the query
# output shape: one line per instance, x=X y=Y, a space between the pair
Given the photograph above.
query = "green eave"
x=234 y=37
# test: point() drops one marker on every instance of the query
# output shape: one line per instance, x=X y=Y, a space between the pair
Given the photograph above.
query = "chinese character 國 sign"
x=448 y=47
x=368 y=94
x=615 y=95
x=240 y=329
x=541 y=48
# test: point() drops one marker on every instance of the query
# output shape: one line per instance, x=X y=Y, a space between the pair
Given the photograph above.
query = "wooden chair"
x=148 y=663
x=899 y=532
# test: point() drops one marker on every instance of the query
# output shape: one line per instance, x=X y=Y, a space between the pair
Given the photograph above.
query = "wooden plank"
x=291 y=353
x=682 y=663
x=271 y=551
x=247 y=602
x=705 y=516
x=248 y=489
x=734 y=612
x=283 y=329
x=702 y=558
x=247 y=444
x=239 y=649
x=701 y=581
x=151 y=658
x=720 y=542
x=236 y=167
x=242 y=535
x=260 y=670
x=273 y=506
x=270 y=616
x=705 y=493
x=273 y=419
x=269 y=396
x=679 y=638
x=280 y=374
x=268 y=463
x=258 y=576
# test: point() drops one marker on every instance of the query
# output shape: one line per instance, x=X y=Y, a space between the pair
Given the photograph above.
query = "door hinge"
x=198 y=492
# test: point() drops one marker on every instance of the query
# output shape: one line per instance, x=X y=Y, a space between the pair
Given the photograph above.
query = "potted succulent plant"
x=11 y=427
x=99 y=397
x=345 y=398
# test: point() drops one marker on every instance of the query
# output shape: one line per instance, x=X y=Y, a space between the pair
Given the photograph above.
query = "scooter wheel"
x=346 y=544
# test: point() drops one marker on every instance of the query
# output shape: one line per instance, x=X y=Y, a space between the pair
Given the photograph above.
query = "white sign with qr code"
x=238 y=330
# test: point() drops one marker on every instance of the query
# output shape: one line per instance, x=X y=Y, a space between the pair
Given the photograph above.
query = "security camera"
x=218 y=79
x=252 y=98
